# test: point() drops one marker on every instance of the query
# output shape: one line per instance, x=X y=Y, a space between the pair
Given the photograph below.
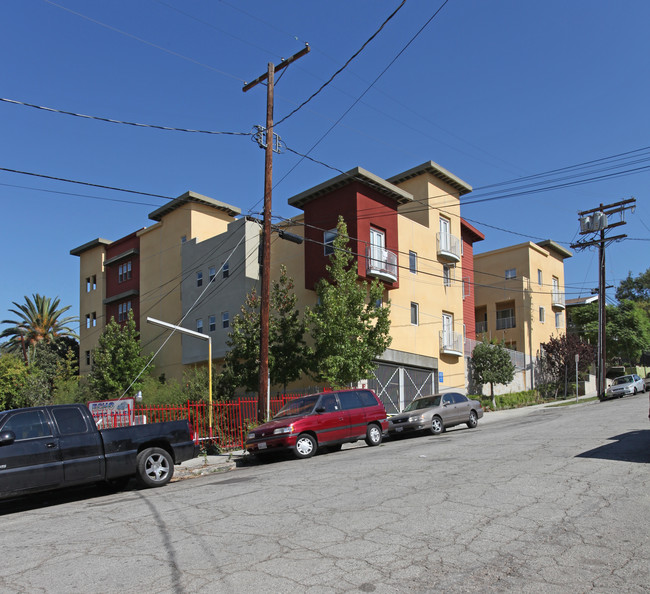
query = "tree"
x=286 y=342
x=491 y=364
x=13 y=377
x=627 y=328
x=39 y=319
x=560 y=353
x=349 y=325
x=117 y=360
x=635 y=288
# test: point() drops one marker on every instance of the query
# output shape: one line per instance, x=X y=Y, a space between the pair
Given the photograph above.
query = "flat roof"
x=188 y=197
x=89 y=246
x=437 y=171
x=357 y=174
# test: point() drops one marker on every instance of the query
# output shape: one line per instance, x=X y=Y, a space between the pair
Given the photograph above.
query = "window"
x=123 y=311
x=379 y=303
x=28 y=425
x=539 y=277
x=226 y=270
x=447 y=329
x=542 y=315
x=183 y=238
x=69 y=420
x=212 y=272
x=558 y=320
x=88 y=285
x=511 y=273
x=377 y=249
x=199 y=279
x=212 y=323
x=446 y=275
x=124 y=272
x=367 y=399
x=506 y=319
x=87 y=357
x=199 y=326
x=94 y=319
x=415 y=313
x=467 y=287
x=350 y=400
x=413 y=262
x=87 y=321
x=225 y=320
x=328 y=241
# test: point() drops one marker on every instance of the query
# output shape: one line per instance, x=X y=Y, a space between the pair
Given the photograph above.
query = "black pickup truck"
x=49 y=447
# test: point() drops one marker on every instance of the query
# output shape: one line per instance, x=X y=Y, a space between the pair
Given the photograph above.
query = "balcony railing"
x=481 y=327
x=448 y=247
x=451 y=343
x=381 y=263
x=505 y=323
x=558 y=299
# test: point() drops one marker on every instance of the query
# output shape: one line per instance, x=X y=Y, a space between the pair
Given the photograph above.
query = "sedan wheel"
x=437 y=426
x=473 y=419
x=305 y=446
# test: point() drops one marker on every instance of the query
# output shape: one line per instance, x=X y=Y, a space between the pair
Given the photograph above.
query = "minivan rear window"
x=350 y=400
x=367 y=399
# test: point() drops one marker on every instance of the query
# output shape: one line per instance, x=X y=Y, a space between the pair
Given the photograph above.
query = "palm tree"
x=39 y=319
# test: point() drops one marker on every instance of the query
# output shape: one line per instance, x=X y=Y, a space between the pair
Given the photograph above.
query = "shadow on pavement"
x=627 y=447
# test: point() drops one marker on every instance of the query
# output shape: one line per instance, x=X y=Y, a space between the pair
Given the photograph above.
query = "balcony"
x=506 y=322
x=381 y=263
x=451 y=343
x=448 y=247
x=481 y=327
x=558 y=300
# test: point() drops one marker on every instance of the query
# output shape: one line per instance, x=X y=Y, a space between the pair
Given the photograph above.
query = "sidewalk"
x=204 y=465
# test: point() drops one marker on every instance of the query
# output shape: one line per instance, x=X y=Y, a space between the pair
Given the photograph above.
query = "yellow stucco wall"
x=91 y=264
x=527 y=295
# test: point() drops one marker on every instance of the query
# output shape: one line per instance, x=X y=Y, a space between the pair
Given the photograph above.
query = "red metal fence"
x=230 y=420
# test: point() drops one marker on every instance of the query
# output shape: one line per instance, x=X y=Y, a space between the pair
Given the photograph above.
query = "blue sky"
x=491 y=90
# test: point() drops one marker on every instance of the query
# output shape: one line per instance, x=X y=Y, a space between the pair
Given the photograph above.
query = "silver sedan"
x=435 y=413
x=624 y=385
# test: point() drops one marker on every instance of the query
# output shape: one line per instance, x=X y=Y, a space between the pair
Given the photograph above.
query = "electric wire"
x=114 y=121
x=342 y=68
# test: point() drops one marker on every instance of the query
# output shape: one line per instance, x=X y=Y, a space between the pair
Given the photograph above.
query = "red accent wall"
x=469 y=236
x=361 y=208
x=113 y=286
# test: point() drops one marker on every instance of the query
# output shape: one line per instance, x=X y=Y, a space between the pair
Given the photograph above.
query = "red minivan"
x=329 y=420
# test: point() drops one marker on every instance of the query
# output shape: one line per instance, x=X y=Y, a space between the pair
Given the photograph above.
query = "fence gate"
x=397 y=385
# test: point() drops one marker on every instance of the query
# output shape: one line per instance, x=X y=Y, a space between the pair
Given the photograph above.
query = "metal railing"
x=451 y=342
x=505 y=323
x=558 y=299
x=381 y=262
x=481 y=327
x=448 y=246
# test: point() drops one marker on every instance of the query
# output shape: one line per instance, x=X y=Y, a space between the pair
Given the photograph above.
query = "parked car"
x=330 y=419
x=624 y=385
x=49 y=447
x=435 y=413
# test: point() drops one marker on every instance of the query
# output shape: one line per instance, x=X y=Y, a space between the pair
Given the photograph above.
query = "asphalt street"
x=555 y=500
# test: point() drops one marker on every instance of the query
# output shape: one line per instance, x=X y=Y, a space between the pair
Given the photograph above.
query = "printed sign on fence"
x=113 y=413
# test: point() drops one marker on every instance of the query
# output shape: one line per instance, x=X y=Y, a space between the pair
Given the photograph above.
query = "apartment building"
x=519 y=295
x=142 y=272
x=469 y=235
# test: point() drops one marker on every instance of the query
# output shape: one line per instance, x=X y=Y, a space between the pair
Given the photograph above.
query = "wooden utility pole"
x=597 y=221
x=266 y=233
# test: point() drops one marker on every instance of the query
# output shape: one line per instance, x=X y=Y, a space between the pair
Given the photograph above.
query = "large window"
x=226 y=270
x=505 y=319
x=199 y=279
x=225 y=320
x=212 y=323
x=446 y=275
x=511 y=273
x=199 y=326
x=559 y=320
x=123 y=311
x=212 y=271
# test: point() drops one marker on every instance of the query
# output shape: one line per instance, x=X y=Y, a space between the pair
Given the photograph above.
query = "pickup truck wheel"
x=155 y=467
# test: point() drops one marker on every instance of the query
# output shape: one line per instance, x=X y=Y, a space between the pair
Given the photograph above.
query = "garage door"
x=397 y=385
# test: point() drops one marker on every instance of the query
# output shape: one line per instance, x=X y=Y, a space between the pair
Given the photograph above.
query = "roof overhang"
x=358 y=174
x=437 y=171
x=193 y=197
x=553 y=246
x=89 y=246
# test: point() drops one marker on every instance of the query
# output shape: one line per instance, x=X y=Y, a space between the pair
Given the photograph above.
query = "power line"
x=342 y=68
x=113 y=121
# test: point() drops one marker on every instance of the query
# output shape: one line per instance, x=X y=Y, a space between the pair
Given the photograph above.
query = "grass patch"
x=570 y=402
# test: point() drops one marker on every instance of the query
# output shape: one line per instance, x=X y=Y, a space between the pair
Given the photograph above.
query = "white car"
x=624 y=385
